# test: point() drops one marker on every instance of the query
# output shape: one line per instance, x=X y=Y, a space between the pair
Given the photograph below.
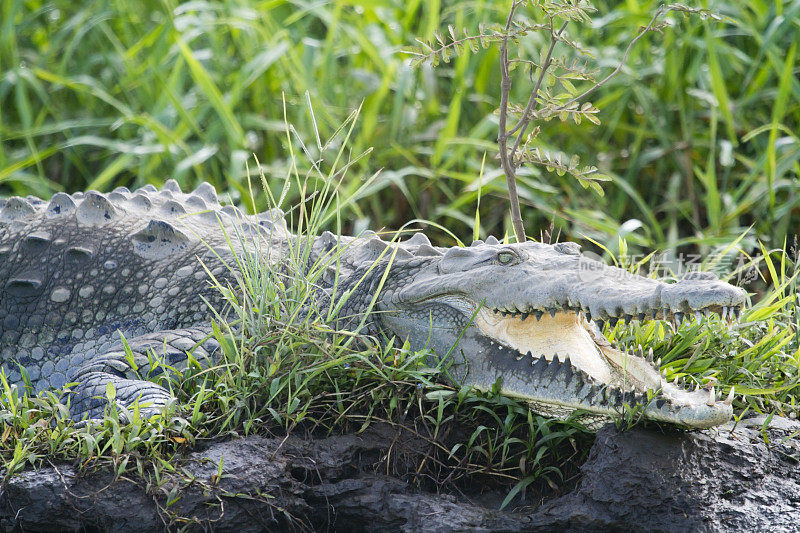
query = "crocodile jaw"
x=563 y=334
x=585 y=351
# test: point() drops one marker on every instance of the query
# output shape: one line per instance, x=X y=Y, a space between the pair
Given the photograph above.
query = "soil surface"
x=642 y=479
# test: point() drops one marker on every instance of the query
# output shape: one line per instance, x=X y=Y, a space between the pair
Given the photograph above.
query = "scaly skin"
x=79 y=270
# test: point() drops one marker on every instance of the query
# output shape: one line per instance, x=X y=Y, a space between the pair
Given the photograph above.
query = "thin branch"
x=525 y=120
x=502 y=137
x=660 y=11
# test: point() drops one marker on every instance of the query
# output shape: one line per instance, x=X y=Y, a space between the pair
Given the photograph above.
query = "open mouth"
x=570 y=338
x=562 y=334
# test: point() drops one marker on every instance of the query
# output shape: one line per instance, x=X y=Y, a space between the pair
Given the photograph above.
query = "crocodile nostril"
x=569 y=248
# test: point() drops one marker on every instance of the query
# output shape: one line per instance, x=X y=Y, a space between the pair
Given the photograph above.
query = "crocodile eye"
x=506 y=258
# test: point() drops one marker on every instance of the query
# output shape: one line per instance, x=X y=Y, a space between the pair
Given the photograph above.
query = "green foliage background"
x=699 y=132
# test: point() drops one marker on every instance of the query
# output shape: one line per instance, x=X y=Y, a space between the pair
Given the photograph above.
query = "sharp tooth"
x=552 y=313
x=628 y=319
x=711 y=397
x=729 y=399
x=698 y=316
x=640 y=351
x=600 y=324
x=642 y=317
x=523 y=316
x=737 y=312
x=725 y=312
x=588 y=315
x=650 y=355
x=654 y=314
x=612 y=320
x=519 y=357
x=664 y=313
x=658 y=363
x=679 y=317
x=538 y=315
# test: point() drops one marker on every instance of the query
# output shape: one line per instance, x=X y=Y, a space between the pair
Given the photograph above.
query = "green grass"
x=699 y=137
x=699 y=132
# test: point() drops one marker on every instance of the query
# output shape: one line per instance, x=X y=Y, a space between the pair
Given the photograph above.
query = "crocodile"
x=81 y=272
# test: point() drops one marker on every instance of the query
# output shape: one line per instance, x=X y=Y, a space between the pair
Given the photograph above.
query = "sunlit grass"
x=699 y=132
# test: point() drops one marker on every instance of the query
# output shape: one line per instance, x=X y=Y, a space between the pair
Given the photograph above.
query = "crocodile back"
x=79 y=269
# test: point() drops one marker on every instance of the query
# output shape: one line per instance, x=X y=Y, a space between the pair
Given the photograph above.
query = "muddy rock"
x=718 y=480
x=743 y=479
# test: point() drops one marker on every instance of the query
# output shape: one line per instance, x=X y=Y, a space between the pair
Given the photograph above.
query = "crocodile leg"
x=154 y=355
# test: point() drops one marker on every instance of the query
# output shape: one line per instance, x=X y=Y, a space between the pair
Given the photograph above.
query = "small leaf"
x=595 y=186
x=437 y=395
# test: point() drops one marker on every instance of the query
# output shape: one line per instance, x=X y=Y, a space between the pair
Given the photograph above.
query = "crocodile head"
x=526 y=315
